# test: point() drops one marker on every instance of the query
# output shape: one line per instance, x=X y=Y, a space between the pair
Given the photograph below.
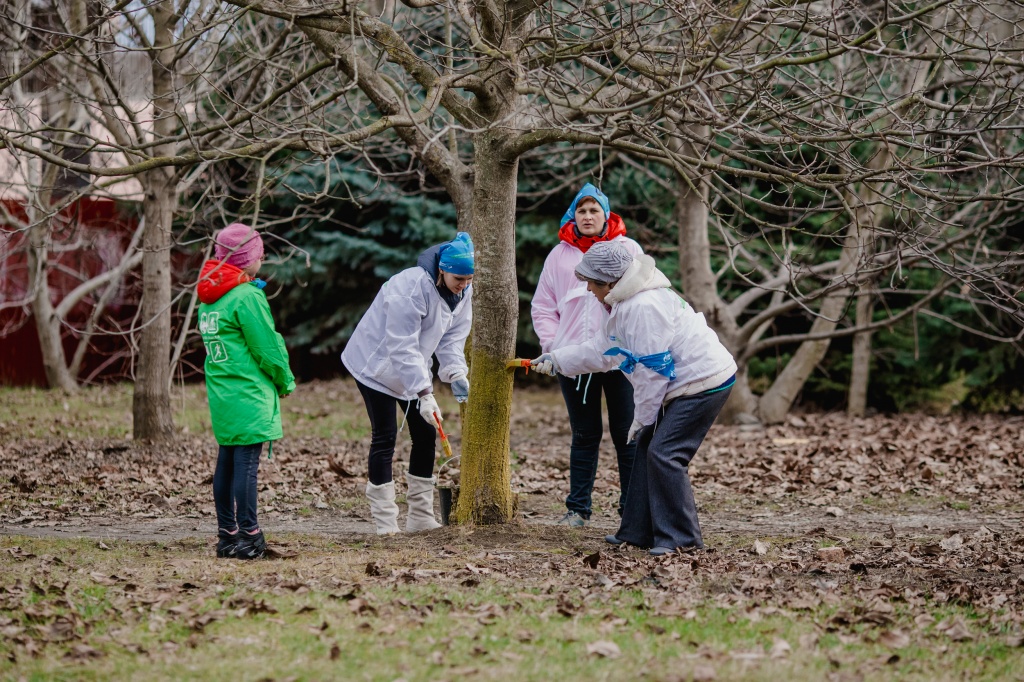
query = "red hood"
x=568 y=233
x=218 y=278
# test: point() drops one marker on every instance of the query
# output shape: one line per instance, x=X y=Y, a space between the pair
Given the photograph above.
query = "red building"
x=89 y=237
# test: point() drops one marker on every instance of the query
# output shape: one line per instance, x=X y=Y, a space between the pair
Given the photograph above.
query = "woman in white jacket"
x=681 y=375
x=420 y=312
x=564 y=314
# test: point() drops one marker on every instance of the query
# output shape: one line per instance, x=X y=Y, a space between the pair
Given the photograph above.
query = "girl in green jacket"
x=246 y=373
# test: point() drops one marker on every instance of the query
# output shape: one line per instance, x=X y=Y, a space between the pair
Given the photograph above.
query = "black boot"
x=250 y=545
x=227 y=543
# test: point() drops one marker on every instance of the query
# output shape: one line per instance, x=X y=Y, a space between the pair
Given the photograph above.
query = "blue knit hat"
x=457 y=255
x=591 y=192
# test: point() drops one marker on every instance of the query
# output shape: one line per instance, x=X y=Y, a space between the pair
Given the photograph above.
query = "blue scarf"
x=662 y=363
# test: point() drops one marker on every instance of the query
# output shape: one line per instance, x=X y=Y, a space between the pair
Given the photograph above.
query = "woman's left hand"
x=460 y=388
x=634 y=431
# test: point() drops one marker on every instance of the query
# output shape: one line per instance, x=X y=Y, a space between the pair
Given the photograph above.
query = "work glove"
x=634 y=431
x=428 y=408
x=460 y=387
x=545 y=364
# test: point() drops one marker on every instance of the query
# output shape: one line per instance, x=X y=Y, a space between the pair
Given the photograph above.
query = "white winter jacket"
x=408 y=322
x=647 y=318
x=564 y=313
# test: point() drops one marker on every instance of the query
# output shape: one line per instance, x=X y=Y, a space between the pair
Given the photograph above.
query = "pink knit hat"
x=238 y=245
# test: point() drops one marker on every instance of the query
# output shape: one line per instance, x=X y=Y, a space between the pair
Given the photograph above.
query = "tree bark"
x=485 y=494
x=860 y=370
x=777 y=400
x=47 y=322
x=151 y=401
x=700 y=286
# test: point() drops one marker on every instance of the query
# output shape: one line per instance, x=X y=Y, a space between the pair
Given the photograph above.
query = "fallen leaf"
x=955 y=628
x=276 y=552
x=952 y=543
x=83 y=652
x=336 y=466
x=604 y=649
x=894 y=639
x=780 y=648
x=832 y=554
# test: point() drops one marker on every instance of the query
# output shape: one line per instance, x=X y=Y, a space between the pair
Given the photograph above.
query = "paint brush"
x=515 y=363
x=445 y=445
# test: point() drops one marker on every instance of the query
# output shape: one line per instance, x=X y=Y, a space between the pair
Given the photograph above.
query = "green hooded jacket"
x=246 y=360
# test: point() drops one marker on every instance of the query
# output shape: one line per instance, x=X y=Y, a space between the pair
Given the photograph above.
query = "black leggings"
x=384 y=431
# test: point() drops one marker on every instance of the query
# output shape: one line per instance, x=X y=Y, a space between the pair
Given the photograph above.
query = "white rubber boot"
x=383 y=507
x=421 y=504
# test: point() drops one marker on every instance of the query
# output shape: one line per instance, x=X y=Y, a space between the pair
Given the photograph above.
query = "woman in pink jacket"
x=564 y=314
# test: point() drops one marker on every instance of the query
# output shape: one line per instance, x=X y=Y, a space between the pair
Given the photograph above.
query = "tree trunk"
x=776 y=401
x=485 y=494
x=151 y=402
x=48 y=325
x=868 y=200
x=699 y=284
x=860 y=371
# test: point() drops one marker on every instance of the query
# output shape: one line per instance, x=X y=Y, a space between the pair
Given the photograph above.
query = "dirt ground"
x=912 y=473
x=798 y=521
x=859 y=544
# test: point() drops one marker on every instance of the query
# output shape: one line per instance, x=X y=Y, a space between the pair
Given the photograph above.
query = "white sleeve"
x=451 y=351
x=544 y=307
x=585 y=358
x=403 y=320
x=646 y=329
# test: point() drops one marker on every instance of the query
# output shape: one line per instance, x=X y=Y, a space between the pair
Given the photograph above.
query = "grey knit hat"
x=605 y=262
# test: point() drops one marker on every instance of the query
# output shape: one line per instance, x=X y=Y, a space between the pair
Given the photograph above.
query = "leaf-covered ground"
x=888 y=547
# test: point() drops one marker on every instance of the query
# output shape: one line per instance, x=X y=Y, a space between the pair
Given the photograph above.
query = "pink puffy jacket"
x=564 y=313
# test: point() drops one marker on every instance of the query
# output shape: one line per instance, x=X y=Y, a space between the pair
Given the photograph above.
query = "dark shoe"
x=250 y=545
x=662 y=551
x=573 y=520
x=227 y=543
x=612 y=540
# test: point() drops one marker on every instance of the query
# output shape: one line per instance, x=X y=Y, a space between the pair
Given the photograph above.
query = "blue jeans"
x=584 y=406
x=234 y=486
x=660 y=510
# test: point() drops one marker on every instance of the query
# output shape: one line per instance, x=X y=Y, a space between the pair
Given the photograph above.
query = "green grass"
x=171 y=612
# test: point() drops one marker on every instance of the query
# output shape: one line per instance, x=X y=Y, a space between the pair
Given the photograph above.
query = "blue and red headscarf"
x=614 y=227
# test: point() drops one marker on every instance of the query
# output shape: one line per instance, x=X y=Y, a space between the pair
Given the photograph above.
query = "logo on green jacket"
x=209 y=325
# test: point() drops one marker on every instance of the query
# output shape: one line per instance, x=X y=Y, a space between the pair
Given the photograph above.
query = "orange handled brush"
x=445 y=445
x=515 y=363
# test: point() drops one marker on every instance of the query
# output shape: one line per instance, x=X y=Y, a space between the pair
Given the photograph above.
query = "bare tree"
x=47 y=195
x=142 y=99
x=821 y=147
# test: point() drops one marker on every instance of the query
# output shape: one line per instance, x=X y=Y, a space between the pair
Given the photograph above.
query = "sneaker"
x=250 y=545
x=573 y=520
x=227 y=543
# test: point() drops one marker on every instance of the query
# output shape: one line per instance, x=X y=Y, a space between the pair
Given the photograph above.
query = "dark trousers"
x=384 y=433
x=660 y=510
x=584 y=406
x=234 y=486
